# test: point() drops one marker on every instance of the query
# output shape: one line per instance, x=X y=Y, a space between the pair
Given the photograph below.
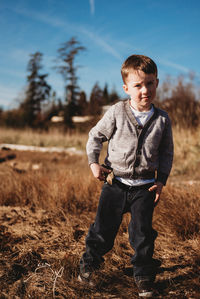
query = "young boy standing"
x=140 y=154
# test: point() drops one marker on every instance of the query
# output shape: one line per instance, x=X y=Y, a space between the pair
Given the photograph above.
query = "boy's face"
x=141 y=87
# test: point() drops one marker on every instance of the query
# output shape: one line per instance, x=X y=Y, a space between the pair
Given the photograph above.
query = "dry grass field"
x=48 y=201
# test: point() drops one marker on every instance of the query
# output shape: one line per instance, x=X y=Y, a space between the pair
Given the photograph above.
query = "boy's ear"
x=125 y=87
x=157 y=82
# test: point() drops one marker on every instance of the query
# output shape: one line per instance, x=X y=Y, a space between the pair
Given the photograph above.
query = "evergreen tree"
x=106 y=99
x=67 y=68
x=37 y=91
x=96 y=100
x=55 y=107
x=113 y=96
x=82 y=104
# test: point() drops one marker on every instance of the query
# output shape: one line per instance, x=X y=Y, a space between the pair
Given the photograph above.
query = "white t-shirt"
x=142 y=118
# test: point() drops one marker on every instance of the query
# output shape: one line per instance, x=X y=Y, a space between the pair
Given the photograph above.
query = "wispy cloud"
x=71 y=27
x=46 y=19
x=105 y=46
x=92 y=7
x=174 y=65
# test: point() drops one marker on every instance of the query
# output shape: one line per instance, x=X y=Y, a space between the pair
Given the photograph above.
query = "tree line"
x=180 y=97
x=40 y=102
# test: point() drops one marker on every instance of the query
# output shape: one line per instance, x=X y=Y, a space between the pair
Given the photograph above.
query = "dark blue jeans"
x=115 y=200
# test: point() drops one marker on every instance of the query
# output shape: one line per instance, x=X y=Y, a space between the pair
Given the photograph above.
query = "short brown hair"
x=138 y=62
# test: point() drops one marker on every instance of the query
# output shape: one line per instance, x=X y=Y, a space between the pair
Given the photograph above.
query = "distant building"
x=81 y=119
x=57 y=119
x=75 y=119
x=78 y=119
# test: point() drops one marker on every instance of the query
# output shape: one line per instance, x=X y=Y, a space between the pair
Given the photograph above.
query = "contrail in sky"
x=69 y=27
x=92 y=8
x=174 y=65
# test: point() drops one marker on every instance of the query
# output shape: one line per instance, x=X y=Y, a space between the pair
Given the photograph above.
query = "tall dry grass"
x=59 y=202
x=187 y=153
x=186 y=143
x=54 y=137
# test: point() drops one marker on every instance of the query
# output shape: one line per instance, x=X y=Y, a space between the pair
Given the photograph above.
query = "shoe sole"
x=146 y=294
x=86 y=282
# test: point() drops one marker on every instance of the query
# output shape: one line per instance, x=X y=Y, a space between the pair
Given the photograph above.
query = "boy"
x=140 y=154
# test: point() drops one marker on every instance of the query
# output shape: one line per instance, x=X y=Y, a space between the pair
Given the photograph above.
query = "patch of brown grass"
x=187 y=149
x=53 y=137
x=45 y=215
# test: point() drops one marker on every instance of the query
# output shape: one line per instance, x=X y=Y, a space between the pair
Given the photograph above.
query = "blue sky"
x=111 y=30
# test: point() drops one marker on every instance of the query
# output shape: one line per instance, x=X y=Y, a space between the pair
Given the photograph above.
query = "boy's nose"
x=144 y=89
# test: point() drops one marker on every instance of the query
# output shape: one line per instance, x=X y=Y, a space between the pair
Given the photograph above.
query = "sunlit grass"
x=186 y=153
x=54 y=137
x=56 y=204
x=186 y=145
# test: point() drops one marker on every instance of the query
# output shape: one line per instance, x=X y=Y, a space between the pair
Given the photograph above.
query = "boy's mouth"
x=146 y=98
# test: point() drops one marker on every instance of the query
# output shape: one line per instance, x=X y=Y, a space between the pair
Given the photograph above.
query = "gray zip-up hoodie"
x=134 y=151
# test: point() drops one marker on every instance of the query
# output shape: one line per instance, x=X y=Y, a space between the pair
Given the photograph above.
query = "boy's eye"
x=137 y=85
